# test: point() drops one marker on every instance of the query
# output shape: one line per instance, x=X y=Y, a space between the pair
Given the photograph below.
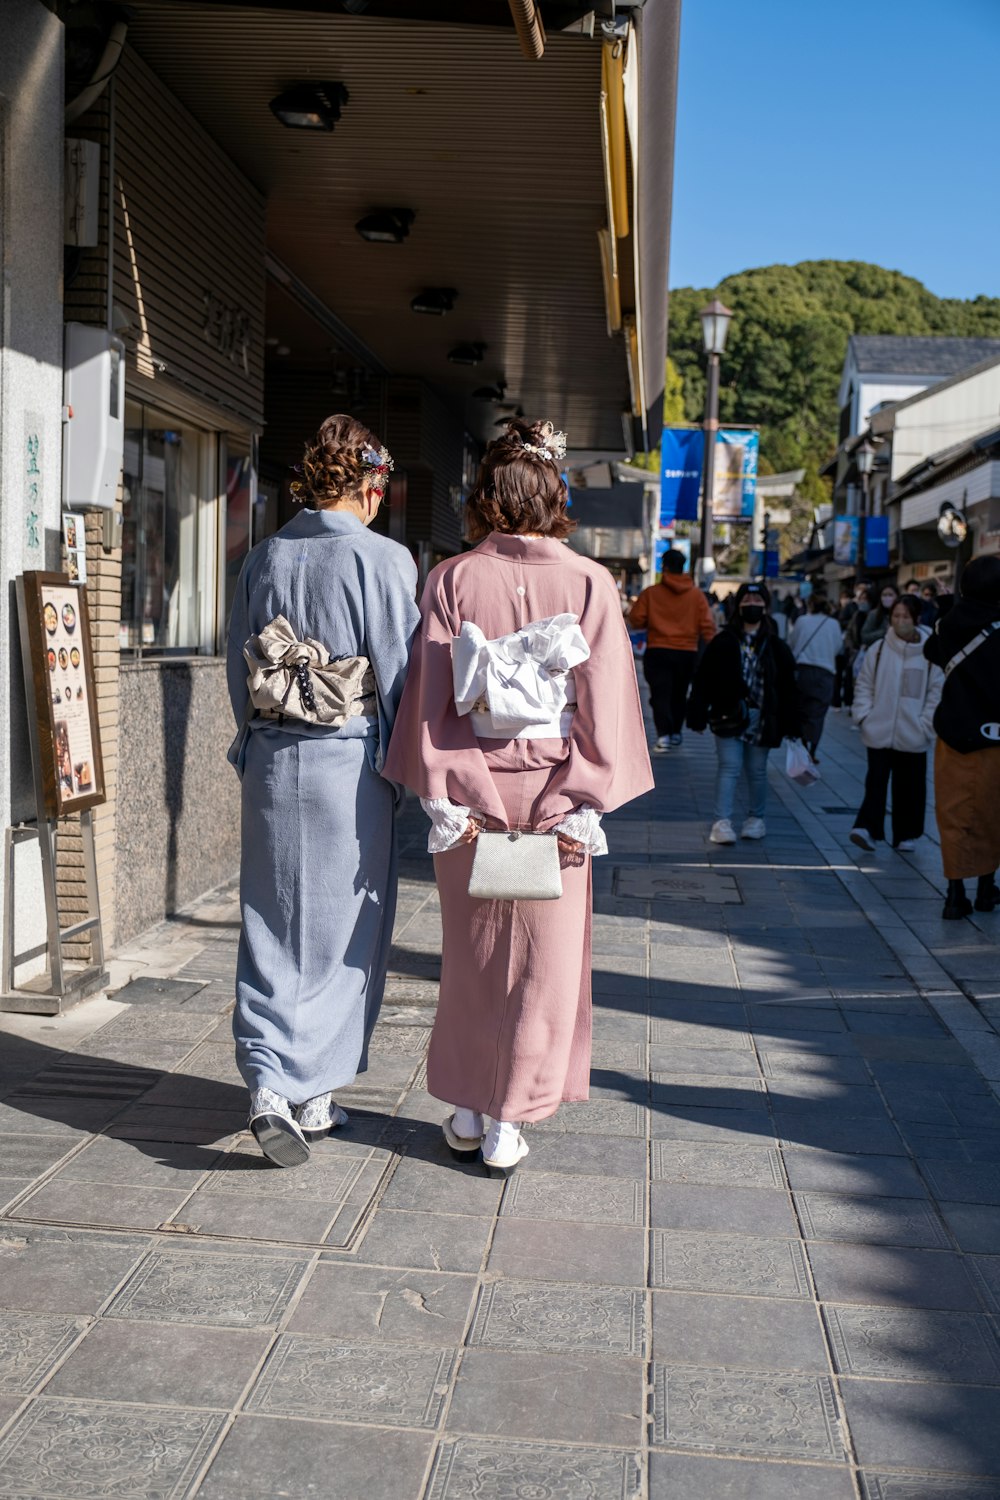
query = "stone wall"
x=178 y=815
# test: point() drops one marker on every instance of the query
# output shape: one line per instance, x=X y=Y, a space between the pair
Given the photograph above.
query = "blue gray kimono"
x=318 y=870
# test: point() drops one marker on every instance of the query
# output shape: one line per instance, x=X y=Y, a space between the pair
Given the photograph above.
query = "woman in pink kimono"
x=520 y=711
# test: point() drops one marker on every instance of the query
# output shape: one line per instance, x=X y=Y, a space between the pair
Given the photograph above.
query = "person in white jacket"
x=895 y=697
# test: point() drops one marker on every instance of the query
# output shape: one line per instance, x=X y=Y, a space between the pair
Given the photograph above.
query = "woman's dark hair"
x=333 y=465
x=981 y=580
x=911 y=604
x=517 y=490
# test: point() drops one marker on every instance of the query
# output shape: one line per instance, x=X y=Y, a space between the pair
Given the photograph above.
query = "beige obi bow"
x=296 y=679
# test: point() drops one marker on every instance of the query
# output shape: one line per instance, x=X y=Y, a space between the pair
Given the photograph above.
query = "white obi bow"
x=520 y=681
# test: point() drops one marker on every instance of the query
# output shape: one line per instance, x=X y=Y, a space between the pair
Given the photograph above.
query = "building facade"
x=156 y=199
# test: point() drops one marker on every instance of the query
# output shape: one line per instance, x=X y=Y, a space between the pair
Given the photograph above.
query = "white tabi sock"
x=467 y=1124
x=500 y=1138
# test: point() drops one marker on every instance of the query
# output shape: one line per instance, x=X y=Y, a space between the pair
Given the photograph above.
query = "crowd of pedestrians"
x=899 y=663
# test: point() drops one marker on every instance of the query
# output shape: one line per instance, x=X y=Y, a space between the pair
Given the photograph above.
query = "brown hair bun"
x=520 y=486
x=335 y=464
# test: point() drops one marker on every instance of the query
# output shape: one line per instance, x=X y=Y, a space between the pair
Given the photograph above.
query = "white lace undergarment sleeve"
x=448 y=823
x=584 y=825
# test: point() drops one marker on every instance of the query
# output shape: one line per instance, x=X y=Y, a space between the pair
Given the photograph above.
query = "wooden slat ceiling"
x=499 y=158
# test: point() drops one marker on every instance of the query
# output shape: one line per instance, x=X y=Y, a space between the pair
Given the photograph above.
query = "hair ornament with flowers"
x=378 y=465
x=552 y=445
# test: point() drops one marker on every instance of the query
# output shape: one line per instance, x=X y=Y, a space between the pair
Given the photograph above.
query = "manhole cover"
x=645 y=883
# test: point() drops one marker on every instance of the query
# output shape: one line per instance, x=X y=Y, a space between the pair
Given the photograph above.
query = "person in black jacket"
x=966 y=643
x=744 y=691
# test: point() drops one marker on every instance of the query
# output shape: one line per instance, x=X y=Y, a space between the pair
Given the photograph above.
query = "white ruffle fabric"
x=584 y=825
x=449 y=821
x=518 y=686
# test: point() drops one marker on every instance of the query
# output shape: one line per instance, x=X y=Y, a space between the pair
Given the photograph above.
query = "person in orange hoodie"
x=674 y=614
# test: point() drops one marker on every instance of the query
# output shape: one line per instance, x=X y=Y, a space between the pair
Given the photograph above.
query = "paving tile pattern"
x=762 y=1261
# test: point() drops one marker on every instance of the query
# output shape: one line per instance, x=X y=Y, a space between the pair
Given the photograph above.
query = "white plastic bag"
x=799 y=764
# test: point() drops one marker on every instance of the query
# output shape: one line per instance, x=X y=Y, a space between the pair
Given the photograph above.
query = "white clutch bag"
x=516 y=866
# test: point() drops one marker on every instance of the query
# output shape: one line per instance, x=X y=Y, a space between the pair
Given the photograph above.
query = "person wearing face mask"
x=744 y=691
x=875 y=626
x=895 y=697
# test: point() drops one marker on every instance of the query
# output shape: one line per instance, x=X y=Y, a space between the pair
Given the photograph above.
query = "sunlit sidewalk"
x=760 y=1262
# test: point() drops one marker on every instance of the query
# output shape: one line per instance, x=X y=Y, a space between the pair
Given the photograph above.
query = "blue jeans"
x=736 y=756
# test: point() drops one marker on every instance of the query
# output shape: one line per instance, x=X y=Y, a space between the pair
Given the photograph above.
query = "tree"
x=783 y=361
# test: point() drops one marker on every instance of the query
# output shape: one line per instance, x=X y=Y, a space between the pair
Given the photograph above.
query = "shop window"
x=168 y=556
x=189 y=519
x=238 y=481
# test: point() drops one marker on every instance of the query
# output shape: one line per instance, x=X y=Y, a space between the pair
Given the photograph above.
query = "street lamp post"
x=864 y=459
x=715 y=319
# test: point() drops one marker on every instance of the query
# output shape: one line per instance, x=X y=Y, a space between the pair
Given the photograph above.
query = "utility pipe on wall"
x=110 y=58
x=529 y=27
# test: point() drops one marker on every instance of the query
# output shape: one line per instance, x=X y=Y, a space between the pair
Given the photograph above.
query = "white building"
x=891 y=367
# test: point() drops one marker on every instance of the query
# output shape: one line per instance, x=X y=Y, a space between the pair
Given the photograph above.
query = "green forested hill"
x=787 y=343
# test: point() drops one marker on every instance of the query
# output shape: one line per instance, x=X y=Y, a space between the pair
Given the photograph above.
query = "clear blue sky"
x=839 y=129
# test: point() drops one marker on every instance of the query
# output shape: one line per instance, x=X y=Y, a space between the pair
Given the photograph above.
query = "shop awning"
x=505 y=164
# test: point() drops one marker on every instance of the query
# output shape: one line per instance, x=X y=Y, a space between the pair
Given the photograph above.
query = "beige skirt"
x=967 y=804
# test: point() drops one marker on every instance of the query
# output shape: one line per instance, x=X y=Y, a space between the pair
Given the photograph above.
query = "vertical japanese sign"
x=34 y=526
x=734 y=488
x=682 y=458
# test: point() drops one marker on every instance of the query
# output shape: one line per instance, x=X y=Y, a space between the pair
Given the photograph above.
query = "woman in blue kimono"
x=319 y=644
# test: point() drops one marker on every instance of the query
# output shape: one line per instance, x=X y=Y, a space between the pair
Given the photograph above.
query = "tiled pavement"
x=763 y=1261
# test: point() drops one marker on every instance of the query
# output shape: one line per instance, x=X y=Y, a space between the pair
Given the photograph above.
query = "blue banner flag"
x=681 y=462
x=877 y=542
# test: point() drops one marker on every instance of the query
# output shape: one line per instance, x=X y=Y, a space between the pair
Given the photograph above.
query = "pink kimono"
x=512 y=1034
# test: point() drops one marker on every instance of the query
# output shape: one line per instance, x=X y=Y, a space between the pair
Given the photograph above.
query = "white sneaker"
x=906 y=846
x=503 y=1148
x=722 y=832
x=753 y=828
x=862 y=838
x=662 y=745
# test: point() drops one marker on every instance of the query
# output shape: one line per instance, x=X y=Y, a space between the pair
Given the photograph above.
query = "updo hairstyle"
x=518 y=490
x=333 y=465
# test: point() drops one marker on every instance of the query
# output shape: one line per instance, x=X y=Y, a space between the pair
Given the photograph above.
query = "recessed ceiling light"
x=467 y=354
x=386 y=226
x=310 y=106
x=435 y=300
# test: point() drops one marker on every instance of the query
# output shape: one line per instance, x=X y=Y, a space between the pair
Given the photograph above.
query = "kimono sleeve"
x=239 y=633
x=391 y=619
x=608 y=761
x=433 y=750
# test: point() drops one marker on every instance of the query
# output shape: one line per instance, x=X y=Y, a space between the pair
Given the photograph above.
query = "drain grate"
x=646 y=883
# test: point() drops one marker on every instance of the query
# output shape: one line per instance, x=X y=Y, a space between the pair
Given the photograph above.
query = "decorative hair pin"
x=378 y=463
x=553 y=444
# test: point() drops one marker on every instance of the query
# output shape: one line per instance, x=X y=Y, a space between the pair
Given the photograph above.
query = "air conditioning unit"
x=94 y=426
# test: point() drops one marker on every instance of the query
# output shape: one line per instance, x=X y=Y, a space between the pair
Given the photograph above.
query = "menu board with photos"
x=56 y=624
